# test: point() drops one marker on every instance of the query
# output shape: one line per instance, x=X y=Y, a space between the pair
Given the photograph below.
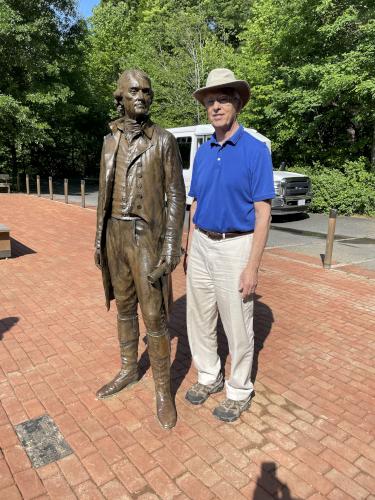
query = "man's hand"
x=97 y=259
x=248 y=282
x=171 y=262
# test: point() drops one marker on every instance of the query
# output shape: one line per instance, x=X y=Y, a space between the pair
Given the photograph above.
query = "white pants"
x=213 y=286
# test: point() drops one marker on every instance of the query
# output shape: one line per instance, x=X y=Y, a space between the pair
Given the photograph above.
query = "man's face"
x=136 y=96
x=222 y=108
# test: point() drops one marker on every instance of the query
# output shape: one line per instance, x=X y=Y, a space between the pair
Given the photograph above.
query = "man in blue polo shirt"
x=232 y=186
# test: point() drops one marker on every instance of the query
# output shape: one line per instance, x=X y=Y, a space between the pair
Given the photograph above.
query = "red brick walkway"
x=309 y=433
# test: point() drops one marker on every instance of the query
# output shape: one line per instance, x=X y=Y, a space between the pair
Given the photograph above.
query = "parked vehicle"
x=293 y=191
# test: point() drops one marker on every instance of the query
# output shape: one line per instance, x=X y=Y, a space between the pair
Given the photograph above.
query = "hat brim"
x=242 y=87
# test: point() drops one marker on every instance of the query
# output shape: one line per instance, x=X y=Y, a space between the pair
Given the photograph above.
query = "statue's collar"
x=147 y=127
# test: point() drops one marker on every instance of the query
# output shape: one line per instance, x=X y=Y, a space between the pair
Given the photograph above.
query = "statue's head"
x=134 y=93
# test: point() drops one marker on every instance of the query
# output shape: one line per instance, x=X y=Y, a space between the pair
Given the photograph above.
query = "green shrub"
x=350 y=189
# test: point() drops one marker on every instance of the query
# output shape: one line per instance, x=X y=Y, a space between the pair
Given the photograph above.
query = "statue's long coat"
x=163 y=193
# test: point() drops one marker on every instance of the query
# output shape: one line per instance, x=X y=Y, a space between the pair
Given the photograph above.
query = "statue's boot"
x=128 y=334
x=159 y=353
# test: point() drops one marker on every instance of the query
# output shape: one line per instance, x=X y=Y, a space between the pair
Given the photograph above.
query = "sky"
x=85 y=7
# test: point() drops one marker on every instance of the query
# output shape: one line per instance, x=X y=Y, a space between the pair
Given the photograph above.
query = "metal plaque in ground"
x=42 y=440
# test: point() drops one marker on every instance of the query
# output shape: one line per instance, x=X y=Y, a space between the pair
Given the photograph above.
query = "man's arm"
x=193 y=208
x=249 y=276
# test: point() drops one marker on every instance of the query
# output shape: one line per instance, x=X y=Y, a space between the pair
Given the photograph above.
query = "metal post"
x=82 y=193
x=27 y=184
x=38 y=185
x=50 y=187
x=66 y=190
x=330 y=239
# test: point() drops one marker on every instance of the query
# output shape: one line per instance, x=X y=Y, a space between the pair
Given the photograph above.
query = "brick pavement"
x=309 y=433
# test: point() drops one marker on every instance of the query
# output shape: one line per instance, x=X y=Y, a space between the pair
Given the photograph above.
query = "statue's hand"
x=97 y=259
x=171 y=262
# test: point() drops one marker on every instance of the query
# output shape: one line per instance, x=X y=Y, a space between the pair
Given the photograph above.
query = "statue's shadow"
x=7 y=324
x=181 y=362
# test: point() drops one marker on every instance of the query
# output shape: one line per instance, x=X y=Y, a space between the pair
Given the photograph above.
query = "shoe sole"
x=219 y=389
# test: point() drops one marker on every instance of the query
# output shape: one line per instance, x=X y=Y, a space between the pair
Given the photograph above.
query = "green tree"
x=311 y=66
x=40 y=56
x=175 y=44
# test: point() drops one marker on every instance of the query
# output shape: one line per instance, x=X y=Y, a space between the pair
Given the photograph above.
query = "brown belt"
x=222 y=236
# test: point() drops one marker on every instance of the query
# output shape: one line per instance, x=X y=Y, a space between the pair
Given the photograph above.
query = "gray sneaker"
x=229 y=410
x=198 y=393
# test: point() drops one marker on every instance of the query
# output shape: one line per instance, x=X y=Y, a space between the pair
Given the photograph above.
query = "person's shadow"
x=268 y=484
x=263 y=319
x=6 y=324
x=181 y=363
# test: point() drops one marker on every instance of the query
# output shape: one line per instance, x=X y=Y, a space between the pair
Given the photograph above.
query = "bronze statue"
x=140 y=215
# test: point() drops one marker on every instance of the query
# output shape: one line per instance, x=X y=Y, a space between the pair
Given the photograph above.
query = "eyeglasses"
x=221 y=99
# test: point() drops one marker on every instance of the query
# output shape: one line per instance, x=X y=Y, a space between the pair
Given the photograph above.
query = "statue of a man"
x=140 y=215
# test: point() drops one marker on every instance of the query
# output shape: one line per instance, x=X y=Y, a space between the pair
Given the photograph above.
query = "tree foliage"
x=40 y=84
x=176 y=47
x=350 y=189
x=311 y=65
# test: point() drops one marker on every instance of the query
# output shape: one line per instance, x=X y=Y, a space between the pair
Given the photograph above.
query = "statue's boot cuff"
x=128 y=334
x=159 y=353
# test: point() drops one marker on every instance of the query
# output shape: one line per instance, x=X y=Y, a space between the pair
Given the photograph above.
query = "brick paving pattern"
x=308 y=435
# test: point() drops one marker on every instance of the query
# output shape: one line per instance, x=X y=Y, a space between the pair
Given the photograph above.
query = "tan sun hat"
x=221 y=78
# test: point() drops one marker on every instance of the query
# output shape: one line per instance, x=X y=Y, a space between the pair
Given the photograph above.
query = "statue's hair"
x=138 y=73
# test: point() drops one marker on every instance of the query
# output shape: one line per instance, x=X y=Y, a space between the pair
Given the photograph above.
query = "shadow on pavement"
x=289 y=217
x=263 y=319
x=182 y=360
x=19 y=249
x=268 y=482
x=7 y=324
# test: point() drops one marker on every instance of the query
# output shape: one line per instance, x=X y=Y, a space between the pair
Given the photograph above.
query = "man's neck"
x=223 y=134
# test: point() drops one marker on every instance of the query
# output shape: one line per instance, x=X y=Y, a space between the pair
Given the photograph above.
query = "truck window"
x=184 y=144
x=202 y=138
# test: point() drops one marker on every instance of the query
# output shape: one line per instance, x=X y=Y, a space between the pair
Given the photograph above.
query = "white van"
x=293 y=191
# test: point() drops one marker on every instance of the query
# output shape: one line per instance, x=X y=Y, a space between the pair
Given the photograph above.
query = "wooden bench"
x=4 y=181
x=5 y=250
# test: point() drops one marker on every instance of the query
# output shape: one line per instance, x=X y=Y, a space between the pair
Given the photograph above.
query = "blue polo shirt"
x=227 y=180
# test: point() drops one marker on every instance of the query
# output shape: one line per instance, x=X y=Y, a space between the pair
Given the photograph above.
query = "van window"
x=184 y=144
x=203 y=138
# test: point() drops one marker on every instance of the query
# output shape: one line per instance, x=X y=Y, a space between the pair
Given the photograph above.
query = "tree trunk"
x=373 y=151
x=13 y=153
